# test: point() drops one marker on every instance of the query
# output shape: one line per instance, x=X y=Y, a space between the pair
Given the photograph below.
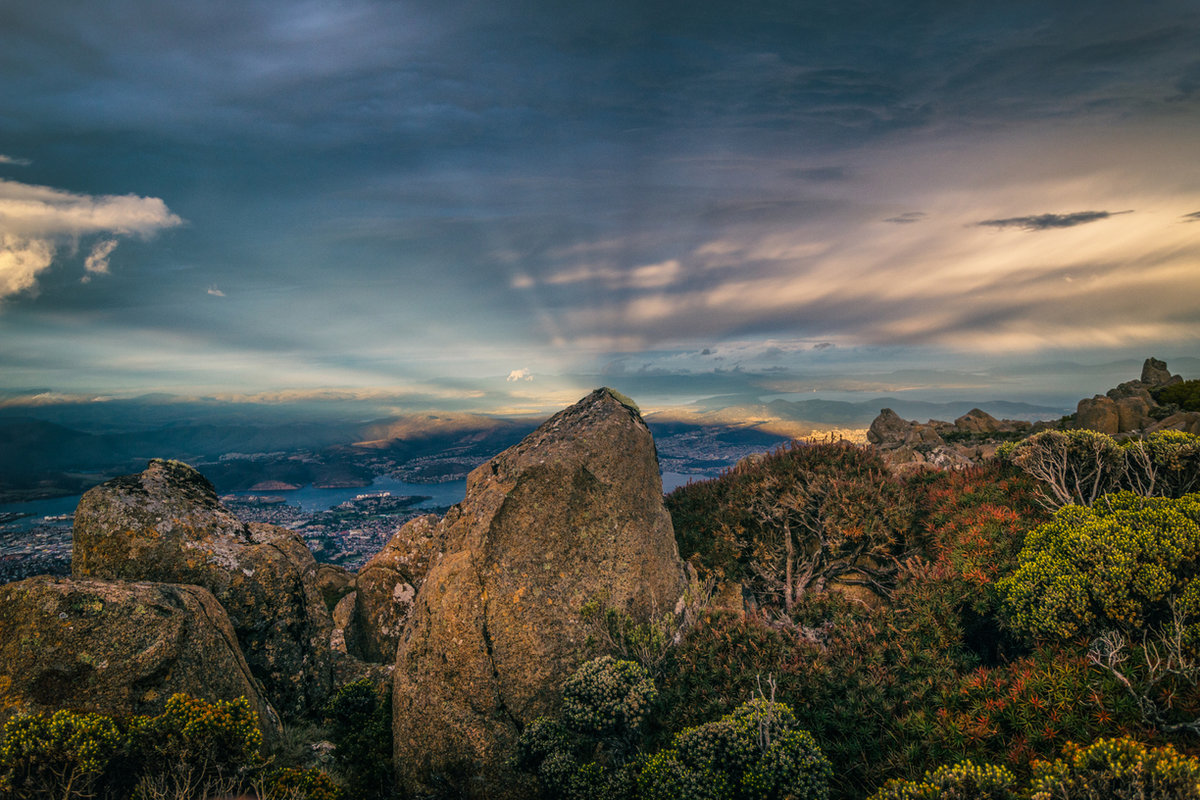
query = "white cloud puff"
x=215 y=292
x=519 y=375
x=35 y=221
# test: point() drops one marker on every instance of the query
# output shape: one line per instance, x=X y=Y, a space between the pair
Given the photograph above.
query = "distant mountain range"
x=62 y=448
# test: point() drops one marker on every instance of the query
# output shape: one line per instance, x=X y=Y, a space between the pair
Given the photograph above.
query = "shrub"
x=360 y=726
x=196 y=739
x=1074 y=466
x=1164 y=464
x=1185 y=395
x=291 y=783
x=965 y=780
x=798 y=520
x=608 y=698
x=757 y=752
x=1120 y=565
x=1117 y=769
x=64 y=755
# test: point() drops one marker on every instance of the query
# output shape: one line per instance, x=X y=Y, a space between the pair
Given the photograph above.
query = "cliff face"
x=572 y=513
x=166 y=524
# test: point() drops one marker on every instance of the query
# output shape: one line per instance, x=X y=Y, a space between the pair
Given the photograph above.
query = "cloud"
x=35 y=221
x=907 y=217
x=1044 y=222
x=823 y=345
x=519 y=375
x=16 y=162
x=97 y=261
x=1193 y=217
x=215 y=292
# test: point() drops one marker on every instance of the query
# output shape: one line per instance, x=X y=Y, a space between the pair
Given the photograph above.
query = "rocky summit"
x=166 y=524
x=118 y=648
x=571 y=514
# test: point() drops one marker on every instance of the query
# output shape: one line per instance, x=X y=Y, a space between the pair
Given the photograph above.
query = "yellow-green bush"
x=63 y=755
x=1117 y=769
x=965 y=780
x=756 y=752
x=607 y=697
x=206 y=740
x=1121 y=564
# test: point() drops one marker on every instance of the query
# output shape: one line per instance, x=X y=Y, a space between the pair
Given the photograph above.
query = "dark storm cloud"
x=1045 y=222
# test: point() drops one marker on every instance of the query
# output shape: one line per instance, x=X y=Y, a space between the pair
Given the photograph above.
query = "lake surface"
x=308 y=498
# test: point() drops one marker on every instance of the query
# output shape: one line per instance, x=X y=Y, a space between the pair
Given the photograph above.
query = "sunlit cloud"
x=215 y=292
x=97 y=260
x=519 y=375
x=16 y=162
x=36 y=221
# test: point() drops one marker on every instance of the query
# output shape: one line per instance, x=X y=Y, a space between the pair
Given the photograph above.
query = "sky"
x=513 y=201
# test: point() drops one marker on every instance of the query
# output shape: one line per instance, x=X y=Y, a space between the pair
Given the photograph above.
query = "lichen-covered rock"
x=889 y=429
x=386 y=587
x=1186 y=421
x=334 y=583
x=1133 y=413
x=166 y=524
x=572 y=513
x=118 y=648
x=1098 y=414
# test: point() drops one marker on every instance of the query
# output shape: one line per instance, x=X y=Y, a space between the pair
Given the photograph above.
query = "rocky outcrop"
x=1156 y=375
x=167 y=525
x=333 y=583
x=118 y=648
x=571 y=514
x=386 y=587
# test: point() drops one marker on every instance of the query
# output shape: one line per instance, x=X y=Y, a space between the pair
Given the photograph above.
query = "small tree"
x=1075 y=467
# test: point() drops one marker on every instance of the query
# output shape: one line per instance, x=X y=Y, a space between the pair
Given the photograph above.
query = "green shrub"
x=64 y=755
x=757 y=752
x=291 y=783
x=1117 y=769
x=1119 y=565
x=1074 y=466
x=801 y=518
x=197 y=740
x=1164 y=464
x=608 y=698
x=1185 y=395
x=360 y=725
x=965 y=780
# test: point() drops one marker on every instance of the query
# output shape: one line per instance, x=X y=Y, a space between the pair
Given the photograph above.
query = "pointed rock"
x=571 y=514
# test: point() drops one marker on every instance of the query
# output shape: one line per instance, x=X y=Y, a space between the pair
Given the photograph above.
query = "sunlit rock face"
x=572 y=513
x=118 y=648
x=166 y=524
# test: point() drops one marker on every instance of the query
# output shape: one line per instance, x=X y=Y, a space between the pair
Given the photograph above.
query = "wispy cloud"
x=36 y=221
x=97 y=261
x=1045 y=222
x=16 y=162
x=215 y=292
x=1193 y=217
x=908 y=217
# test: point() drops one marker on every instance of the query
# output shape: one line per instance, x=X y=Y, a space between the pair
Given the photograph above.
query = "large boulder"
x=118 y=648
x=166 y=524
x=1100 y=414
x=386 y=587
x=977 y=421
x=889 y=429
x=571 y=514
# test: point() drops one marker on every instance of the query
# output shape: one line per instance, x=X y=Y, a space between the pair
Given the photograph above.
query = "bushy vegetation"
x=1080 y=466
x=965 y=780
x=1117 y=769
x=801 y=519
x=1128 y=563
x=1185 y=396
x=359 y=719
x=193 y=750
